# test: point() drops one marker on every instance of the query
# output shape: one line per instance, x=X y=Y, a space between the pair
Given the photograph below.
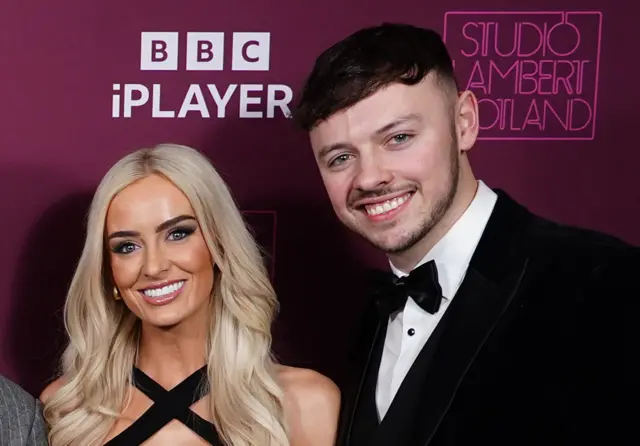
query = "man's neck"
x=407 y=260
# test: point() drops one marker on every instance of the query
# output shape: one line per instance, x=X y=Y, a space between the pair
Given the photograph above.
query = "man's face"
x=390 y=163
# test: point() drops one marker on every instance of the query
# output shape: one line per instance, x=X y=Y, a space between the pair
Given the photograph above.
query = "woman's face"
x=160 y=262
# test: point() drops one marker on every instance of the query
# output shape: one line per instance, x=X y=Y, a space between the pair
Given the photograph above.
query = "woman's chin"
x=167 y=321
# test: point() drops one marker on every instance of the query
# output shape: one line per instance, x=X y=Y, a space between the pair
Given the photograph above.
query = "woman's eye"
x=180 y=233
x=124 y=248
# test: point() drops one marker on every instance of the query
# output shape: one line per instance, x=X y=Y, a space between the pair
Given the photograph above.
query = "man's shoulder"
x=21 y=414
x=561 y=234
x=11 y=394
x=545 y=235
x=551 y=242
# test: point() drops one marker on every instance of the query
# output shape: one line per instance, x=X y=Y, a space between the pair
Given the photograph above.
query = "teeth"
x=159 y=292
x=382 y=208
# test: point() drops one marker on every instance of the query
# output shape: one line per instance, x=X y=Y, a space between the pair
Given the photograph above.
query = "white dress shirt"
x=409 y=329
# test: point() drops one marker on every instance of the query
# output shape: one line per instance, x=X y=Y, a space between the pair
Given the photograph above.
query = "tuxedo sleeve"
x=611 y=399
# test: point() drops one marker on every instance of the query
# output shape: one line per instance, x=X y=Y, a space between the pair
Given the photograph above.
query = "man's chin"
x=390 y=237
x=392 y=244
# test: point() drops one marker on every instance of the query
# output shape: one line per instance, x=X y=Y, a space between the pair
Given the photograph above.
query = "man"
x=508 y=331
x=21 y=421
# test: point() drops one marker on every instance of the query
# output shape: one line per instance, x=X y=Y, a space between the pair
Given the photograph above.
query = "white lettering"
x=221 y=102
x=245 y=101
x=282 y=103
x=130 y=102
x=250 y=100
x=200 y=105
x=115 y=102
x=155 y=102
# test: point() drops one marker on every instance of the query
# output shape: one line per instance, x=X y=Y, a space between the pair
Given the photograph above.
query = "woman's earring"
x=116 y=293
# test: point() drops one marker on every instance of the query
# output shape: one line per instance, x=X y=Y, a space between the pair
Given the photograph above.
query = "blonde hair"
x=245 y=399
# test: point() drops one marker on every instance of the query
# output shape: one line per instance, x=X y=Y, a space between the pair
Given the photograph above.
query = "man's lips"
x=379 y=200
x=386 y=207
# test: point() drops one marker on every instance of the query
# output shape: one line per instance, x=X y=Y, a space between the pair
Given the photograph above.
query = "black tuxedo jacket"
x=538 y=347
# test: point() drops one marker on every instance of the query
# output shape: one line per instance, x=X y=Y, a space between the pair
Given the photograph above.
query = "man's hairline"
x=447 y=86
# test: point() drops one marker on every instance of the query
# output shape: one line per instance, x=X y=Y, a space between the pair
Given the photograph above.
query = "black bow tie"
x=392 y=292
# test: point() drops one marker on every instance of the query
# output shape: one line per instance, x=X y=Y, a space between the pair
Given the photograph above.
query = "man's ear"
x=466 y=120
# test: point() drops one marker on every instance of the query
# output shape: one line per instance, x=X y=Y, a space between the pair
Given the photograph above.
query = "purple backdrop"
x=84 y=84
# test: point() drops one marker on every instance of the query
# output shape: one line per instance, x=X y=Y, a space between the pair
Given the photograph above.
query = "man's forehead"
x=365 y=118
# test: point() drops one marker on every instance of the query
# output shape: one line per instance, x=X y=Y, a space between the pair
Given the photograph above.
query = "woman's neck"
x=169 y=355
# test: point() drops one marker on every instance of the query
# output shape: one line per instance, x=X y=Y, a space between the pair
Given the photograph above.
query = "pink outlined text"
x=535 y=74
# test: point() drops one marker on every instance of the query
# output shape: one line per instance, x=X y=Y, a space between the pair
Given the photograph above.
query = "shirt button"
x=411 y=332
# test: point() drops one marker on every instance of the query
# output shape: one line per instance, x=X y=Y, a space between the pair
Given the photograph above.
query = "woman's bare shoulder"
x=311 y=406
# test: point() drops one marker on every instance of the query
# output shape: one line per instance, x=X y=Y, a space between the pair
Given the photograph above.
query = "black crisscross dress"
x=167 y=405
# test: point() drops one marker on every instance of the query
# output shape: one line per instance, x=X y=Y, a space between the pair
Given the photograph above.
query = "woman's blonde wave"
x=245 y=398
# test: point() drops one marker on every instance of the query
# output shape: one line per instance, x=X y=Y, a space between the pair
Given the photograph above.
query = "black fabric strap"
x=167 y=405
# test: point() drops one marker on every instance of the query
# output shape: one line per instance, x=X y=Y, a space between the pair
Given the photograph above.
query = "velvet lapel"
x=495 y=272
x=371 y=329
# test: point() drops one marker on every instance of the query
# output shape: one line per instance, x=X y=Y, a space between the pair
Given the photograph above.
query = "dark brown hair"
x=367 y=60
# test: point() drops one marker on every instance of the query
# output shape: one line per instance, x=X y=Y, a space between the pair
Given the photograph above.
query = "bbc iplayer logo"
x=204 y=51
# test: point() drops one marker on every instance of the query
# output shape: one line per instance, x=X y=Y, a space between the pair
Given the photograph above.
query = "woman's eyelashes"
x=173 y=235
x=180 y=233
x=124 y=248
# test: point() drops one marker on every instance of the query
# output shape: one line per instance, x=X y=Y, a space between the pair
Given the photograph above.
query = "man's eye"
x=339 y=160
x=400 y=138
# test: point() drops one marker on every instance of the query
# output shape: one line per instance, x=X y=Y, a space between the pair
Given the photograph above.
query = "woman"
x=169 y=316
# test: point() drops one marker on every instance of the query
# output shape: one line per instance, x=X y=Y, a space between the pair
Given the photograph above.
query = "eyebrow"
x=326 y=150
x=161 y=227
x=396 y=122
x=323 y=152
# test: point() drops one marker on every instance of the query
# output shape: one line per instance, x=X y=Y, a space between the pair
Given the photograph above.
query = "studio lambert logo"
x=535 y=73
x=203 y=52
